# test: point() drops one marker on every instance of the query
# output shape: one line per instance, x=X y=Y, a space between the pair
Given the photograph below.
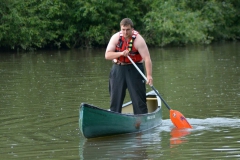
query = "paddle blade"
x=179 y=120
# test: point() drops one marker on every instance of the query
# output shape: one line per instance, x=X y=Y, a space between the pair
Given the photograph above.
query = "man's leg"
x=117 y=88
x=137 y=89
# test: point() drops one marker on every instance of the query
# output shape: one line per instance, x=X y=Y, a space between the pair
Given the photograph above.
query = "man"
x=124 y=75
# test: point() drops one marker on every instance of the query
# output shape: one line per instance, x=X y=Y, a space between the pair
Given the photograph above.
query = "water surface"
x=41 y=93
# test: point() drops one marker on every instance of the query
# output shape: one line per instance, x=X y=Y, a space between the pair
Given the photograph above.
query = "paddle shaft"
x=153 y=88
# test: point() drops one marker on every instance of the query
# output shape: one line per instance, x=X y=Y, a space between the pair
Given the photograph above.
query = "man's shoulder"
x=139 y=41
x=114 y=39
x=116 y=35
x=138 y=35
x=135 y=32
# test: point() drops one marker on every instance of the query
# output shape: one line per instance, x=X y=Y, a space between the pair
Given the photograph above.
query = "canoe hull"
x=97 y=122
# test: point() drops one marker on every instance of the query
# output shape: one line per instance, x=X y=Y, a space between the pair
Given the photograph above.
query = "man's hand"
x=149 y=80
x=125 y=53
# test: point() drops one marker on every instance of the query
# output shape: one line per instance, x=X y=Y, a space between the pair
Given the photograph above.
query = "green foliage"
x=29 y=24
x=191 y=21
x=90 y=23
x=173 y=23
x=97 y=20
x=221 y=17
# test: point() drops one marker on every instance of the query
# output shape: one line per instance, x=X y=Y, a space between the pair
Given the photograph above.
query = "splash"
x=204 y=123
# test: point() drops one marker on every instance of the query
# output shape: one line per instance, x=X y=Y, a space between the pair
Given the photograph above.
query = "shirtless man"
x=123 y=75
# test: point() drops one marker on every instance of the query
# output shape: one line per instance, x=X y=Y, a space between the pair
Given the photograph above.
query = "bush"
x=90 y=23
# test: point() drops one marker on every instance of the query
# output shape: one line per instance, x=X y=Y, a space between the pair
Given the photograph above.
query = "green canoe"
x=96 y=122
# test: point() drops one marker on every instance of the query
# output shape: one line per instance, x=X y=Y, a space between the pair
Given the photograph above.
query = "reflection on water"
x=177 y=136
x=130 y=146
x=214 y=137
x=41 y=94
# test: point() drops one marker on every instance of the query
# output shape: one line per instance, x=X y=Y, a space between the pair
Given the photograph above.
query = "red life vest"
x=123 y=45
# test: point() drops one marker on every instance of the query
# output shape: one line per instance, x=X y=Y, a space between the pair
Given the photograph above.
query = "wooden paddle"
x=177 y=118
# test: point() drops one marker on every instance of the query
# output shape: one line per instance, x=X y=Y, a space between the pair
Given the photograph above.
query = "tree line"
x=35 y=24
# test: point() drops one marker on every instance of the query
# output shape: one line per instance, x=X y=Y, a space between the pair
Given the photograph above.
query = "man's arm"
x=110 y=53
x=142 y=48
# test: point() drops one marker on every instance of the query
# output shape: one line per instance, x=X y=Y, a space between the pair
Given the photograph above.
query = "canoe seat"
x=152 y=98
x=152 y=104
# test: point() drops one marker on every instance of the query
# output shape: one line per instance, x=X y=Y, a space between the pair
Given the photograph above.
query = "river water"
x=41 y=93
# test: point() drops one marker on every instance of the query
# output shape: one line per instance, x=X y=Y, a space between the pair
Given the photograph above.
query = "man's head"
x=126 y=22
x=126 y=26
